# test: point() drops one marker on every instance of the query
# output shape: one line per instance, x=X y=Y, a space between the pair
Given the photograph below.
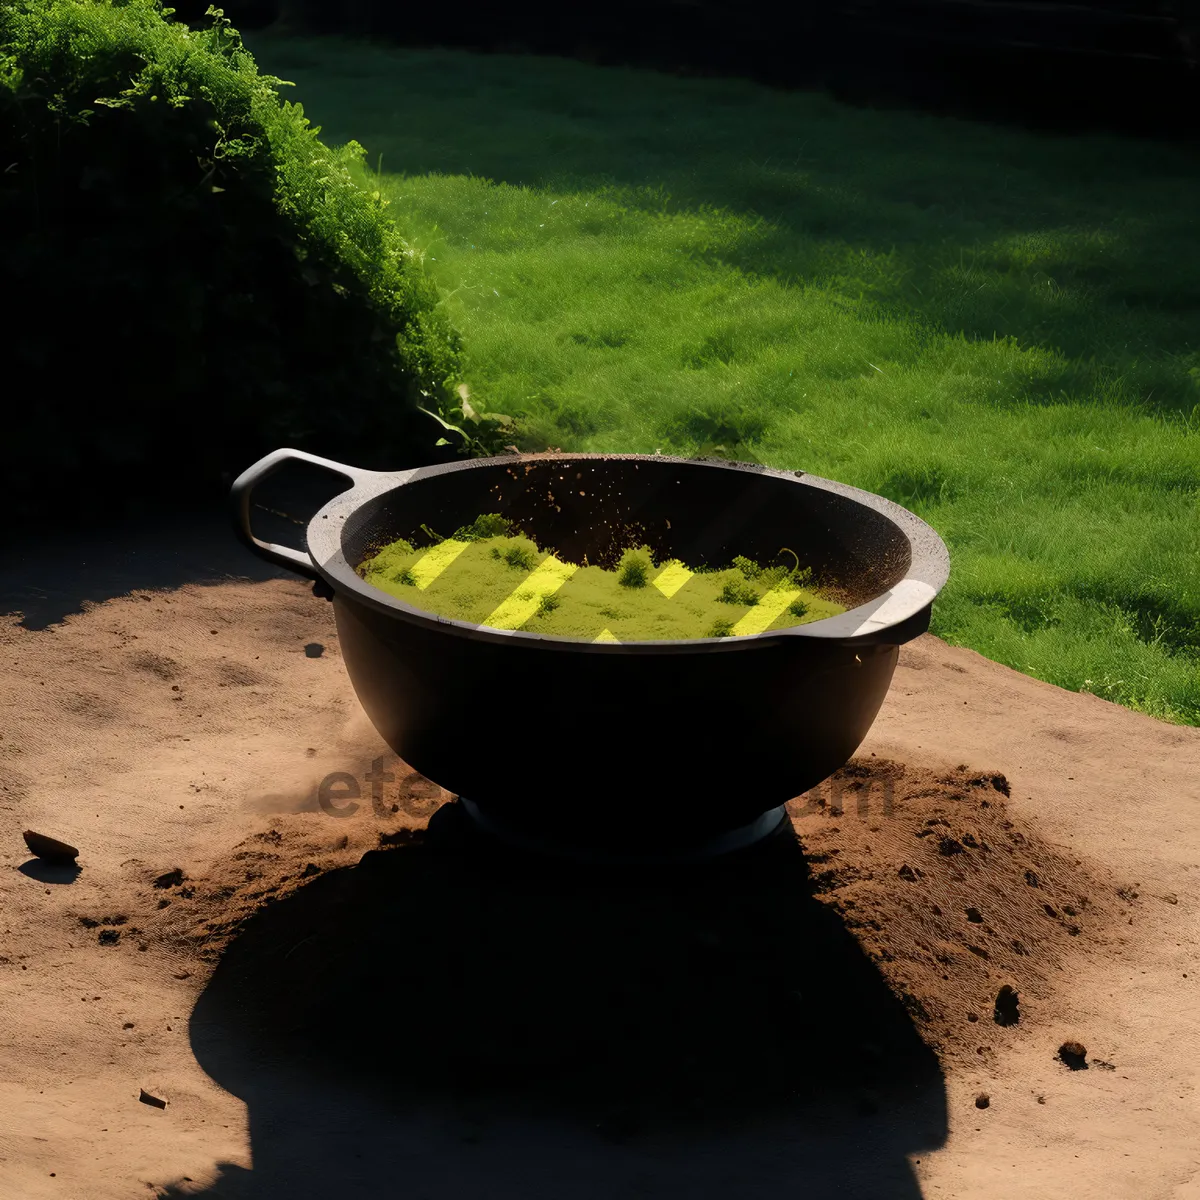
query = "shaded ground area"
x=51 y=569
x=669 y=1011
x=1079 y=66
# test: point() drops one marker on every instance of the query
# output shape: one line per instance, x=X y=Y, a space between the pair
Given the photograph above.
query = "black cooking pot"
x=666 y=749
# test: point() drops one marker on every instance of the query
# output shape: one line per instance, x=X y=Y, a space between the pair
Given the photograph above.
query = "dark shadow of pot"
x=452 y=1020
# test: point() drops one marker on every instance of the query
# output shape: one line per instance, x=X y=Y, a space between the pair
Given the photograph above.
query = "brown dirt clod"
x=1074 y=1054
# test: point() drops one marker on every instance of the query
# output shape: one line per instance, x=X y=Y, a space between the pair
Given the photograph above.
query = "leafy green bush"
x=192 y=278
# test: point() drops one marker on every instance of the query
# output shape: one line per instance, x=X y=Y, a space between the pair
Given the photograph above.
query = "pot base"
x=629 y=855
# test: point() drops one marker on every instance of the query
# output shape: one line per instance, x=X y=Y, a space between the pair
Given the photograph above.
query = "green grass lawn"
x=998 y=329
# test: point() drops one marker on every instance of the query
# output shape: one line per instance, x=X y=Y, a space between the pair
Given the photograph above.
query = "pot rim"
x=927 y=573
x=903 y=608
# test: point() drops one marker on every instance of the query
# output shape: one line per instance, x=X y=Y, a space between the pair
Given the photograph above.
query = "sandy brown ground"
x=321 y=1028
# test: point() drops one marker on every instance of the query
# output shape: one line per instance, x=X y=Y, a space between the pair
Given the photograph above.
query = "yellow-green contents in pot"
x=487 y=575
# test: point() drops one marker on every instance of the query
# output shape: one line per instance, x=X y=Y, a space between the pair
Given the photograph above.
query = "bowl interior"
x=700 y=512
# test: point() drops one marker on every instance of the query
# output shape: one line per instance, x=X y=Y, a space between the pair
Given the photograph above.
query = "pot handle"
x=249 y=479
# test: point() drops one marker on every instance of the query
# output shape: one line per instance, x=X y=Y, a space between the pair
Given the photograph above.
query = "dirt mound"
x=952 y=924
x=955 y=901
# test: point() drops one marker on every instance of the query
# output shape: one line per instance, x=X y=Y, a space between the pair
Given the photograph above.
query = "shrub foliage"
x=192 y=278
